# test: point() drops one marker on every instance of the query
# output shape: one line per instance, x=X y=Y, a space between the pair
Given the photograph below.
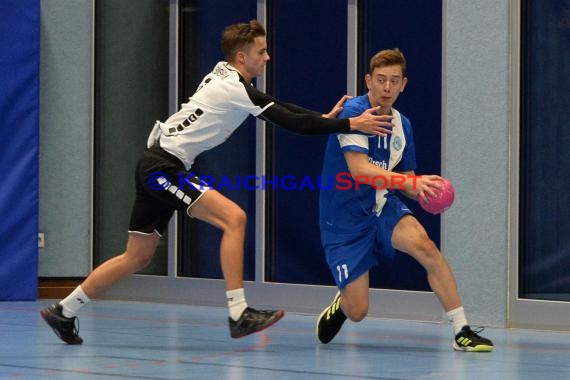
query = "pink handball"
x=442 y=201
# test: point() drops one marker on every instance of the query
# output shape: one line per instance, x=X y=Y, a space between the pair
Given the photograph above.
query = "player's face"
x=256 y=57
x=385 y=85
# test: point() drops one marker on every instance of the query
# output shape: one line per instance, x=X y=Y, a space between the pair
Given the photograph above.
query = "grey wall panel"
x=65 y=137
x=476 y=84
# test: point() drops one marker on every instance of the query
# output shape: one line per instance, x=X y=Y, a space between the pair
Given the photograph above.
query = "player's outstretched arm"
x=295 y=119
x=365 y=173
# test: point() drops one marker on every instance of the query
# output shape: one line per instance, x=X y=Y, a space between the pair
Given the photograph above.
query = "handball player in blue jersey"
x=361 y=217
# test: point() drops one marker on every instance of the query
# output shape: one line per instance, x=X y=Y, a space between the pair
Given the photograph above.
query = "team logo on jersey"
x=397 y=142
x=220 y=71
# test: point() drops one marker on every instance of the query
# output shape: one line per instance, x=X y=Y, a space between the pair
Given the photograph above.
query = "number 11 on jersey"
x=342 y=271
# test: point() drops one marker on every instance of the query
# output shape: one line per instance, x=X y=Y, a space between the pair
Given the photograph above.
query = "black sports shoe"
x=330 y=321
x=470 y=341
x=252 y=321
x=63 y=327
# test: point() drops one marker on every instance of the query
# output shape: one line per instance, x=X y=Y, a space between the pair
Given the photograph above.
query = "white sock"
x=457 y=318
x=73 y=302
x=236 y=303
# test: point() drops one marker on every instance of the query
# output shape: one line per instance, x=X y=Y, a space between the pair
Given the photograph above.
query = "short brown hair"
x=237 y=36
x=389 y=57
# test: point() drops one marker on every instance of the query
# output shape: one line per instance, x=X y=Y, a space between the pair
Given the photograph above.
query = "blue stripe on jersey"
x=354 y=148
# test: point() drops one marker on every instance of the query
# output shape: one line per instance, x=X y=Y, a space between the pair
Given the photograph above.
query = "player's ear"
x=368 y=79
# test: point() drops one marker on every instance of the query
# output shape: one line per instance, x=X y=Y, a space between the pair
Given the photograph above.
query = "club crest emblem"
x=397 y=143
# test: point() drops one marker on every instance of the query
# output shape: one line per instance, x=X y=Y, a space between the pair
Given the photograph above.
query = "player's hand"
x=337 y=107
x=427 y=186
x=371 y=123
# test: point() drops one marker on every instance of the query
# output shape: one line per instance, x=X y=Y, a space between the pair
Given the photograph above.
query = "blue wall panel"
x=308 y=46
x=19 y=128
x=545 y=158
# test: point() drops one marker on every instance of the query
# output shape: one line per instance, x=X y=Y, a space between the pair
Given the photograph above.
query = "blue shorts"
x=351 y=254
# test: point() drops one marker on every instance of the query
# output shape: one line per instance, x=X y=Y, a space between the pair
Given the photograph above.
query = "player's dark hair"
x=238 y=36
x=389 y=57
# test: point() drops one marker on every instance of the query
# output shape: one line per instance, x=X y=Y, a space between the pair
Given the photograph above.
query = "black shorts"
x=162 y=186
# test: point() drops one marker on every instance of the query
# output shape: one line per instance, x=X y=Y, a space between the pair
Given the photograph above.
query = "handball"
x=442 y=201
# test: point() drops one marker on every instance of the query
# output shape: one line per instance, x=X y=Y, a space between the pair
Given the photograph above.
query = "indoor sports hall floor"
x=135 y=340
